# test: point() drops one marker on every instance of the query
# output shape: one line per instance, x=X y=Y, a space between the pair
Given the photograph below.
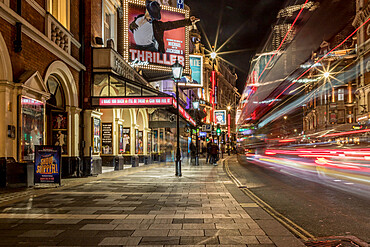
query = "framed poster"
x=155 y=141
x=32 y=127
x=149 y=146
x=220 y=117
x=60 y=130
x=96 y=135
x=139 y=142
x=161 y=140
x=196 y=68
x=124 y=140
x=47 y=164
x=107 y=138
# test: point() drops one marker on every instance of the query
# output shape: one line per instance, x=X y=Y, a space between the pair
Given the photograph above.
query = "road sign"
x=207 y=128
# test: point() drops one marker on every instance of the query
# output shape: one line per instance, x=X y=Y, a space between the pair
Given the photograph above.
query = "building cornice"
x=361 y=16
x=12 y=17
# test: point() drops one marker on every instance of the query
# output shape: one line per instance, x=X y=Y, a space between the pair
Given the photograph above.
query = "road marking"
x=249 y=205
x=290 y=225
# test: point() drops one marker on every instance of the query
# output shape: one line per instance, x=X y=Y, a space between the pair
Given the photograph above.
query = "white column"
x=73 y=130
x=8 y=113
x=88 y=131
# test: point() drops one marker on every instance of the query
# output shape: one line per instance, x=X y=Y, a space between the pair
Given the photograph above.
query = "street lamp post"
x=196 y=107
x=177 y=74
x=228 y=128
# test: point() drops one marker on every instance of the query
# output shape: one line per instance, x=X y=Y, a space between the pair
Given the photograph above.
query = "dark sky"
x=257 y=16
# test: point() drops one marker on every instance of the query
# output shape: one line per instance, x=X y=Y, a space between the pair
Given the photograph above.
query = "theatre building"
x=40 y=67
x=126 y=120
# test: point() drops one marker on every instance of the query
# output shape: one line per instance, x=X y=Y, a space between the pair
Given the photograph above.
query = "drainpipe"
x=18 y=27
x=82 y=79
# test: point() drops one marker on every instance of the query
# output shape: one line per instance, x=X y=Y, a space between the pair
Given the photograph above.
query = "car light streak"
x=282 y=42
x=323 y=57
x=348 y=176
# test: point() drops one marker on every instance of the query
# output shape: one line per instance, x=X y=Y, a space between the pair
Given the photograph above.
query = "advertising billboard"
x=196 y=69
x=220 y=117
x=154 y=39
x=47 y=164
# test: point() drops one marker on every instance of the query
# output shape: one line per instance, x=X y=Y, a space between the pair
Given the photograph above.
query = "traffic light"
x=218 y=131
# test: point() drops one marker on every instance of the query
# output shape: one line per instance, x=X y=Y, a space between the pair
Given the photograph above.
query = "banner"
x=196 y=68
x=47 y=164
x=152 y=44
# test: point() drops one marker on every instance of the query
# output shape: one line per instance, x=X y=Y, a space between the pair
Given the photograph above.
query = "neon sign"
x=142 y=101
x=146 y=101
x=138 y=62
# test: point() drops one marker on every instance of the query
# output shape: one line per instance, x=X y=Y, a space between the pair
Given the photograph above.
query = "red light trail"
x=282 y=42
x=347 y=133
x=312 y=66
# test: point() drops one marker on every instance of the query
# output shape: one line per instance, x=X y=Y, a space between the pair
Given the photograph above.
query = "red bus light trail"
x=354 y=32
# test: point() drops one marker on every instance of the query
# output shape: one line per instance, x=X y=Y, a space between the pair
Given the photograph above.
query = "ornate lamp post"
x=228 y=128
x=177 y=74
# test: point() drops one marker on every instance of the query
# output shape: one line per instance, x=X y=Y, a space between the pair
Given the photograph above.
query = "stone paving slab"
x=151 y=207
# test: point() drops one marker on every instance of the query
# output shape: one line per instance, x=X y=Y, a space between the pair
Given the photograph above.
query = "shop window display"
x=32 y=127
x=124 y=140
x=60 y=130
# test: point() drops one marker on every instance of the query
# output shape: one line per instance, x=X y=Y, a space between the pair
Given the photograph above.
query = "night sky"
x=257 y=16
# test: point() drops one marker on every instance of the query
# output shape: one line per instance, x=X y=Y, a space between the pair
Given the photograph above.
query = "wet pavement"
x=145 y=206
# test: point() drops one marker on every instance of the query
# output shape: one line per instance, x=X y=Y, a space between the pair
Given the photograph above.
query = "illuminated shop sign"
x=28 y=101
x=146 y=101
x=202 y=134
x=154 y=40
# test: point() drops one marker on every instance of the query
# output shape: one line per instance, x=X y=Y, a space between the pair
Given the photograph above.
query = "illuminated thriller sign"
x=145 y=102
x=47 y=164
x=155 y=37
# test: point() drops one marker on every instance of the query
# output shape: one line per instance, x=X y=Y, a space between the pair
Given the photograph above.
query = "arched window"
x=56 y=115
x=56 y=93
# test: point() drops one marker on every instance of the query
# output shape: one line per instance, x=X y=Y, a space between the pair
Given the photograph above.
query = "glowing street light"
x=285 y=117
x=228 y=108
x=326 y=74
x=213 y=55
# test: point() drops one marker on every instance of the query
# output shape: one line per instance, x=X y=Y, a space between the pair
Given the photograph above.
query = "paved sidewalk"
x=144 y=207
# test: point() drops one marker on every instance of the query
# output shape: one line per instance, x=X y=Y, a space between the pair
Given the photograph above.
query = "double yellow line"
x=290 y=225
